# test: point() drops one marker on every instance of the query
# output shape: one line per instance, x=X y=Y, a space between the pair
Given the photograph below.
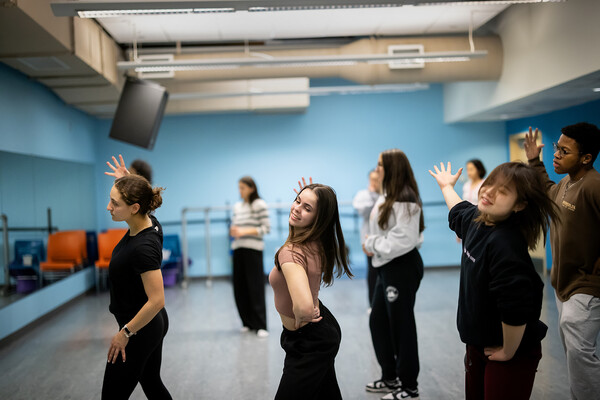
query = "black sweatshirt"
x=132 y=256
x=498 y=282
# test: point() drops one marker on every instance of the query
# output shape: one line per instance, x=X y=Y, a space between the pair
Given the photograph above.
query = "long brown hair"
x=529 y=187
x=398 y=184
x=326 y=232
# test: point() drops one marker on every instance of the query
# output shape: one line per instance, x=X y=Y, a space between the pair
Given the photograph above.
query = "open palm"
x=444 y=176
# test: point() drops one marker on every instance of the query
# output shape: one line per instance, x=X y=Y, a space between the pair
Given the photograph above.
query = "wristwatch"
x=127 y=332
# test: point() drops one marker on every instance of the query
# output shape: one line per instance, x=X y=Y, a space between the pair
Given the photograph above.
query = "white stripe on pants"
x=579 y=325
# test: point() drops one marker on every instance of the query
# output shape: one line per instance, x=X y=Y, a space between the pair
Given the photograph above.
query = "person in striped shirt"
x=249 y=223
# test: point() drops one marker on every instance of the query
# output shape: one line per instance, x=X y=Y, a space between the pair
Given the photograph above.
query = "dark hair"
x=398 y=184
x=142 y=168
x=326 y=231
x=248 y=181
x=587 y=137
x=136 y=189
x=531 y=191
x=479 y=165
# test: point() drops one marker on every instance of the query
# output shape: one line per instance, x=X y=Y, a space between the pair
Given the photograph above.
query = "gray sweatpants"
x=579 y=325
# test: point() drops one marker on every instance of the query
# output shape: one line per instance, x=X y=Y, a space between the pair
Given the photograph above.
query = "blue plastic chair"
x=26 y=265
x=172 y=264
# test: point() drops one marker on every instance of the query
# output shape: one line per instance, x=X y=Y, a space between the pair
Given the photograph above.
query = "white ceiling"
x=305 y=24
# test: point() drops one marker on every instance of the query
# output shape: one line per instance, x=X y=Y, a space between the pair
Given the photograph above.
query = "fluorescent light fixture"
x=183 y=68
x=315 y=91
x=310 y=64
x=171 y=11
x=83 y=8
x=485 y=3
x=295 y=7
x=120 y=13
x=596 y=89
x=423 y=60
x=213 y=10
x=302 y=61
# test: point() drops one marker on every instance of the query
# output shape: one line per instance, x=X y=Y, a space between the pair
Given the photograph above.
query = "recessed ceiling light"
x=597 y=89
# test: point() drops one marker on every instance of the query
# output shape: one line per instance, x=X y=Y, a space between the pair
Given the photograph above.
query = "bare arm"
x=447 y=181
x=512 y=336
x=299 y=288
x=236 y=231
x=153 y=286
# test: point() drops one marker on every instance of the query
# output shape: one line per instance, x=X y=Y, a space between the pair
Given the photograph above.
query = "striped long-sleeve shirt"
x=255 y=215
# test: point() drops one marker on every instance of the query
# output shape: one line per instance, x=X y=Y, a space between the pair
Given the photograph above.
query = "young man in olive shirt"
x=575 y=245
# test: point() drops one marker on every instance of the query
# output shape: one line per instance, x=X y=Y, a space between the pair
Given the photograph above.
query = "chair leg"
x=97 y=281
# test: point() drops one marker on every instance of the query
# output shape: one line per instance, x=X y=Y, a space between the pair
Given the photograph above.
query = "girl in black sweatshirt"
x=500 y=297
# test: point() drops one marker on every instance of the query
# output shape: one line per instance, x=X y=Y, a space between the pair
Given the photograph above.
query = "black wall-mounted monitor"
x=139 y=113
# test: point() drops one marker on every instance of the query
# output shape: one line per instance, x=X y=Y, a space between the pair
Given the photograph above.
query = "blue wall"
x=550 y=124
x=34 y=121
x=337 y=141
x=47 y=159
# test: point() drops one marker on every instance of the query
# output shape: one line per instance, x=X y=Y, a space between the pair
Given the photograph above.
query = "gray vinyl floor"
x=207 y=357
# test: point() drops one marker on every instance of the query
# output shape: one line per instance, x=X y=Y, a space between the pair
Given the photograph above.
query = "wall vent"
x=399 y=49
x=156 y=74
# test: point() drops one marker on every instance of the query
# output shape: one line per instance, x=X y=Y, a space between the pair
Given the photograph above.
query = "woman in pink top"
x=311 y=336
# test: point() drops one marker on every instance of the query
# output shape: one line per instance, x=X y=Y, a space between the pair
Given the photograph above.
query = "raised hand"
x=118 y=169
x=532 y=149
x=447 y=180
x=444 y=176
x=303 y=183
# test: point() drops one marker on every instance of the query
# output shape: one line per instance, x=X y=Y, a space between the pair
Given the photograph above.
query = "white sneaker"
x=382 y=386
x=261 y=333
x=244 y=329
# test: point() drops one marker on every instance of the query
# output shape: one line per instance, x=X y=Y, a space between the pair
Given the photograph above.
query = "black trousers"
x=249 y=287
x=308 y=369
x=371 y=278
x=392 y=320
x=143 y=359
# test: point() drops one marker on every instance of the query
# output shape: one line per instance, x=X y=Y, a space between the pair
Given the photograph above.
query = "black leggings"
x=308 y=369
x=144 y=356
x=392 y=319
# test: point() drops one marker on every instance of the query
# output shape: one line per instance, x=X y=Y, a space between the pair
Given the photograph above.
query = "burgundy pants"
x=496 y=380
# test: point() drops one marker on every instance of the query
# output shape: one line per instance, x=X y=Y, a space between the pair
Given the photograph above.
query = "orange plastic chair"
x=106 y=244
x=66 y=251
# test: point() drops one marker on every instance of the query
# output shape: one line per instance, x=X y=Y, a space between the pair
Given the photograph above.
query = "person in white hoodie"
x=363 y=203
x=395 y=233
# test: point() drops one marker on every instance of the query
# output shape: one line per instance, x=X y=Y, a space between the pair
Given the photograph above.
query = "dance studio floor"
x=206 y=357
